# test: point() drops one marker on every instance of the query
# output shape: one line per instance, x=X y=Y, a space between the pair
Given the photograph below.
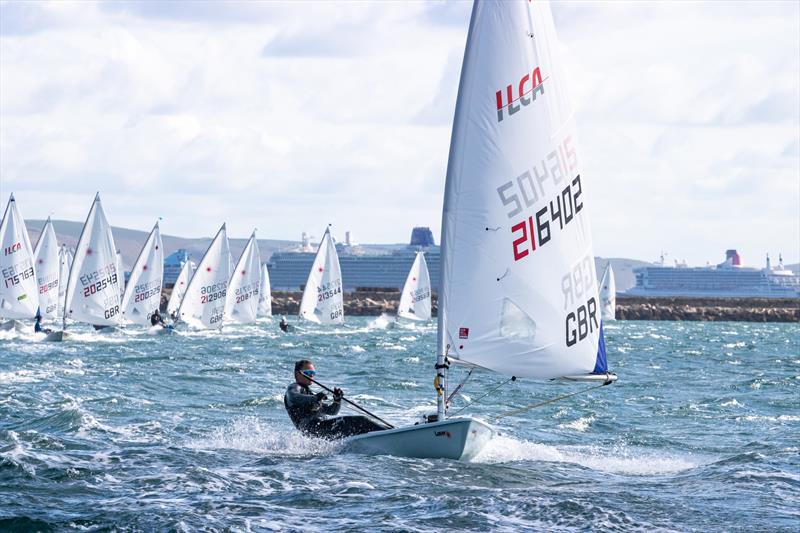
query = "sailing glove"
x=321 y=396
x=338 y=394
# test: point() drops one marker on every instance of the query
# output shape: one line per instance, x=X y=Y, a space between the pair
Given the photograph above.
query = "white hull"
x=8 y=326
x=158 y=330
x=55 y=336
x=456 y=438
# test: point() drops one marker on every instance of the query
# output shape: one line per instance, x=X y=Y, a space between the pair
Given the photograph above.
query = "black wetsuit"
x=156 y=320
x=284 y=326
x=309 y=415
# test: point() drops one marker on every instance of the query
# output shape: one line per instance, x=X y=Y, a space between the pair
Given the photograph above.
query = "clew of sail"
x=142 y=294
x=241 y=302
x=93 y=289
x=322 y=301
x=47 y=254
x=19 y=292
x=415 y=300
x=264 y=294
x=519 y=290
x=608 y=295
x=179 y=289
x=203 y=304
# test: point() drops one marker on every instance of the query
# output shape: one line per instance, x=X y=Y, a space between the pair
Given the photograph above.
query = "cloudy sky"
x=287 y=116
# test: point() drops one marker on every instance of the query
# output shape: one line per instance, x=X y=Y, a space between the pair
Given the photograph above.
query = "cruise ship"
x=728 y=279
x=288 y=270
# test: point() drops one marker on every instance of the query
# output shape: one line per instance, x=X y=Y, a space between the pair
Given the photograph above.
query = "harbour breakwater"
x=376 y=302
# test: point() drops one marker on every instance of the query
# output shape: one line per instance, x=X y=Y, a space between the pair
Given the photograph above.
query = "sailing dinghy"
x=518 y=291
x=415 y=300
x=142 y=294
x=241 y=302
x=19 y=292
x=322 y=297
x=179 y=289
x=46 y=253
x=608 y=295
x=93 y=288
x=264 y=294
x=203 y=304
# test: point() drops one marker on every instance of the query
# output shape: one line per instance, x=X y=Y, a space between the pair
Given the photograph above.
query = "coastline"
x=378 y=302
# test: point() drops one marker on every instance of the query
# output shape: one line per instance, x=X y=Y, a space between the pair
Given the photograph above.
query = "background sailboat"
x=608 y=295
x=179 y=289
x=19 y=292
x=415 y=300
x=241 y=302
x=93 y=289
x=518 y=292
x=48 y=278
x=322 y=301
x=264 y=294
x=203 y=304
x=142 y=294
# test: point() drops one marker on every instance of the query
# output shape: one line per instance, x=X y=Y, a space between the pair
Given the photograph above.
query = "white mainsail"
x=179 y=289
x=93 y=289
x=203 y=304
x=322 y=301
x=241 y=303
x=142 y=294
x=415 y=300
x=64 y=264
x=48 y=258
x=19 y=292
x=264 y=294
x=608 y=295
x=518 y=290
x=121 y=270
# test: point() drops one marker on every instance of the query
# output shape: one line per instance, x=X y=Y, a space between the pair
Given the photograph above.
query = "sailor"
x=38 y=326
x=284 y=325
x=156 y=320
x=311 y=416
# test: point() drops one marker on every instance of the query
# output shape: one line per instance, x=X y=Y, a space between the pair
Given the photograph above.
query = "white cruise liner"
x=729 y=279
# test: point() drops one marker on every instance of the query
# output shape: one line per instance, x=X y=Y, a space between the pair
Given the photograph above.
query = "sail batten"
x=518 y=288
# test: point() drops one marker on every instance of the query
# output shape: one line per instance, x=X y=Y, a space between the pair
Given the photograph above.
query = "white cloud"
x=288 y=117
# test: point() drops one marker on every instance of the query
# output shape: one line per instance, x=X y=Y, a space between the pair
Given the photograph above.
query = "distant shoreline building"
x=288 y=270
x=727 y=279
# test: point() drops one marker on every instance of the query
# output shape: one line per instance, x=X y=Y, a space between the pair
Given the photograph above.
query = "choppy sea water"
x=127 y=431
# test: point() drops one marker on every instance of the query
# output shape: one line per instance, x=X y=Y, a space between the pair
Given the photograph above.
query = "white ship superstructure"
x=727 y=279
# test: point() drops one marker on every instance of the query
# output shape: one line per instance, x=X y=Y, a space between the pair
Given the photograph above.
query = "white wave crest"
x=618 y=460
x=251 y=434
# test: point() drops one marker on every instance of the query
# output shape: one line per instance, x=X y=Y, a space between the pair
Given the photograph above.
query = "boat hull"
x=55 y=336
x=8 y=326
x=456 y=438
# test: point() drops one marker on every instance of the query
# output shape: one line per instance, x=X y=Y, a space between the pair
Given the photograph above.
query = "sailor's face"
x=302 y=378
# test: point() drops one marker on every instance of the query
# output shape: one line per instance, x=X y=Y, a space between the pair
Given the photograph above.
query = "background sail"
x=241 y=303
x=19 y=292
x=142 y=294
x=93 y=291
x=322 y=298
x=203 y=303
x=64 y=265
x=415 y=300
x=519 y=291
x=179 y=289
x=608 y=295
x=264 y=293
x=47 y=254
